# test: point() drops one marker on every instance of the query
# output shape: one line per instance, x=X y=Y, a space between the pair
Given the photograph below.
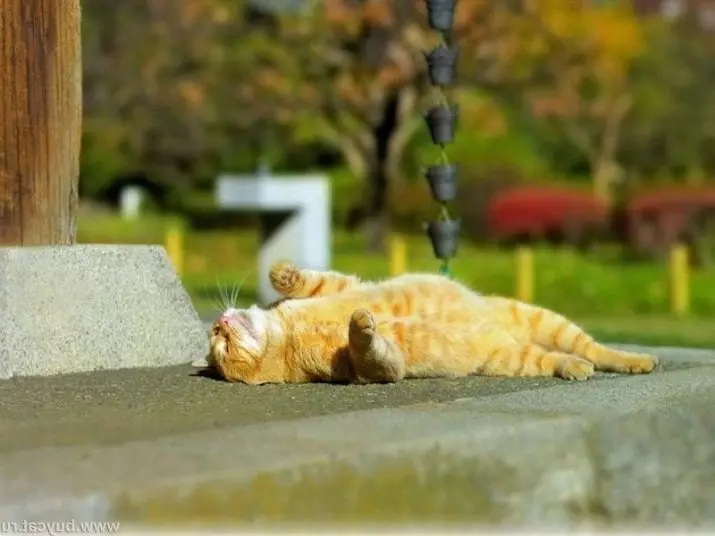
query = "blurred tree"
x=672 y=94
x=182 y=89
x=582 y=53
x=163 y=90
x=351 y=73
x=146 y=69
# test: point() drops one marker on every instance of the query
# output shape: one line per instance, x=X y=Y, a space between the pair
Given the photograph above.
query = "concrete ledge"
x=632 y=451
x=90 y=307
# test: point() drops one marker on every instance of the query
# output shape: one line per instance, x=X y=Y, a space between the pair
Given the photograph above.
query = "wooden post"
x=524 y=267
x=40 y=121
x=398 y=255
x=679 y=275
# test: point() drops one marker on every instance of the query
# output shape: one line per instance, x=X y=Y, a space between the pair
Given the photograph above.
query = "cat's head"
x=237 y=342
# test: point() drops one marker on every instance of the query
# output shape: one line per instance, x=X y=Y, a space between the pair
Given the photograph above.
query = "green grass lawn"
x=614 y=301
x=654 y=330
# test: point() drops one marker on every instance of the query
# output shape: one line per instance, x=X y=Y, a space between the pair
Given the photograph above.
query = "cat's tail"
x=545 y=327
x=555 y=332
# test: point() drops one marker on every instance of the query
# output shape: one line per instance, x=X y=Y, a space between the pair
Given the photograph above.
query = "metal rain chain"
x=441 y=121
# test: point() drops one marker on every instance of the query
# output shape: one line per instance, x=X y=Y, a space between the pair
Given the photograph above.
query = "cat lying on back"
x=336 y=328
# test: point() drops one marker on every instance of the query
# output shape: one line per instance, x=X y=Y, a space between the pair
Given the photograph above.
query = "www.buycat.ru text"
x=56 y=528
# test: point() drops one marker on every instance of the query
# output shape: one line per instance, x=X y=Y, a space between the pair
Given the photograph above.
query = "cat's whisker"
x=219 y=306
x=223 y=294
x=218 y=290
x=215 y=302
x=237 y=291
x=234 y=296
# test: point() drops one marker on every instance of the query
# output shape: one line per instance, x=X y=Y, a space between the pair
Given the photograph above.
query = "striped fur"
x=336 y=328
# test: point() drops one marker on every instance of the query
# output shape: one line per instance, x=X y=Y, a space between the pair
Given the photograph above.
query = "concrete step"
x=613 y=451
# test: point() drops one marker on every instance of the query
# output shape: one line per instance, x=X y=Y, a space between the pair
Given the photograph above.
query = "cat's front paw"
x=362 y=321
x=284 y=276
x=362 y=328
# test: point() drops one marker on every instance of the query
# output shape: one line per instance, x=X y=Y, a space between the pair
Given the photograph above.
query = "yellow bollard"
x=174 y=244
x=398 y=255
x=524 y=260
x=679 y=280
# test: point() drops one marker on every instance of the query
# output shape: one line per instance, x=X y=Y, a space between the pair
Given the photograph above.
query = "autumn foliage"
x=182 y=90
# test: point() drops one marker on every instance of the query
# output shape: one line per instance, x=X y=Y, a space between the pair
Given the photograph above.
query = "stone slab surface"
x=167 y=447
x=91 y=307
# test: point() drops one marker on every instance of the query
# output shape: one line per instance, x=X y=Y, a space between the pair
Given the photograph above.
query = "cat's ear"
x=200 y=363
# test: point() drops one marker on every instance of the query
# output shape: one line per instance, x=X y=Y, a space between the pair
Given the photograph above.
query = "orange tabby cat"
x=335 y=327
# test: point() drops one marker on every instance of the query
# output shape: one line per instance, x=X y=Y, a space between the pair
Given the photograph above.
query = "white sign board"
x=303 y=237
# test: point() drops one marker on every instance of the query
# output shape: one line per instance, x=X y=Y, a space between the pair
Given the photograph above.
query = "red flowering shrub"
x=544 y=212
x=681 y=199
x=658 y=218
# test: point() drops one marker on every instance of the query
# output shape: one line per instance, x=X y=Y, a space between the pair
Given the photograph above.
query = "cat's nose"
x=226 y=317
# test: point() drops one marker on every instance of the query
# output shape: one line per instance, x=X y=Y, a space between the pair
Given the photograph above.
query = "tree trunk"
x=40 y=121
x=605 y=168
x=605 y=177
x=377 y=213
x=377 y=219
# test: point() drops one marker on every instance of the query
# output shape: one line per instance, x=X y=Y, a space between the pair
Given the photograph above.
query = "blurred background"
x=585 y=144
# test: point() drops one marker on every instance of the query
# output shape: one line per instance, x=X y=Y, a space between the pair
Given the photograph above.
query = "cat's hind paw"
x=575 y=368
x=637 y=364
x=284 y=277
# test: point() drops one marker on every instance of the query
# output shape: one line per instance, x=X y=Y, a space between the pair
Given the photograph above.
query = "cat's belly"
x=320 y=351
x=443 y=306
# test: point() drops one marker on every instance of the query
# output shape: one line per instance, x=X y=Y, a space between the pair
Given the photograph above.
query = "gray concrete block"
x=90 y=307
